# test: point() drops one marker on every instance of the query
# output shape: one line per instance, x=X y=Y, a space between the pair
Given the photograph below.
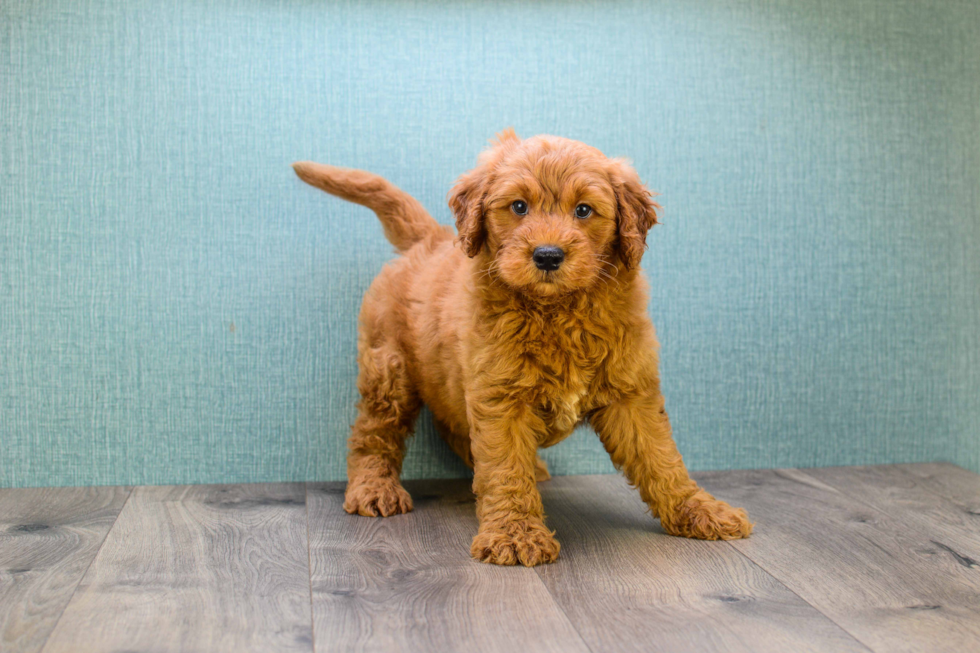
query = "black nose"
x=548 y=257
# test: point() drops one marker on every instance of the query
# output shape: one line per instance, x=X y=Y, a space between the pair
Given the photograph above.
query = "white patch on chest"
x=564 y=415
x=571 y=402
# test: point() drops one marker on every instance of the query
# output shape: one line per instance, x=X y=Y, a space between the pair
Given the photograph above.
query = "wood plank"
x=407 y=583
x=627 y=586
x=883 y=581
x=197 y=568
x=959 y=485
x=48 y=537
x=954 y=530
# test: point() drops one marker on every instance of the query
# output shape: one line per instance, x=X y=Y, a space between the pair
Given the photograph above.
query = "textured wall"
x=176 y=307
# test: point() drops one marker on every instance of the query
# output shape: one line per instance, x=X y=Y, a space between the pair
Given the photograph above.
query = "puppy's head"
x=553 y=215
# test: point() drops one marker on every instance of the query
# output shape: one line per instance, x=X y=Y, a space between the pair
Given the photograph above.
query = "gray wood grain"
x=881 y=578
x=48 y=537
x=905 y=497
x=203 y=568
x=841 y=558
x=627 y=586
x=959 y=485
x=407 y=583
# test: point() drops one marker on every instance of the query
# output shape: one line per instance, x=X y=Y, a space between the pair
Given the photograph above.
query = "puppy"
x=529 y=322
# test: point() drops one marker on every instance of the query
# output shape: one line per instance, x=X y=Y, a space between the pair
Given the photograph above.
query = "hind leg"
x=460 y=444
x=386 y=419
x=541 y=473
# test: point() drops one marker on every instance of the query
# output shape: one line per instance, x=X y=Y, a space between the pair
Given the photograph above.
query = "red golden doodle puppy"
x=528 y=323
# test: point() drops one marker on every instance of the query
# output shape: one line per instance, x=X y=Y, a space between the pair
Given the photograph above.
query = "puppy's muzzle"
x=548 y=257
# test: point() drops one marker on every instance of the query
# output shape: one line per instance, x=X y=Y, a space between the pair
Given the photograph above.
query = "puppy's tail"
x=404 y=220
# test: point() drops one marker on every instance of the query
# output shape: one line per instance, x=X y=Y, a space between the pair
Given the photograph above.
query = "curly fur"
x=510 y=358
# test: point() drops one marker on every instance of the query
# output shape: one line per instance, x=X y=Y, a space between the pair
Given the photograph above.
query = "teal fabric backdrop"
x=176 y=307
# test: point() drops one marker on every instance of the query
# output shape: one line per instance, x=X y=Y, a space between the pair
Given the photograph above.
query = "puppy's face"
x=553 y=215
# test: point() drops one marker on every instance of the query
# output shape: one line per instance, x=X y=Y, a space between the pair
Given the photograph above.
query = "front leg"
x=636 y=432
x=504 y=437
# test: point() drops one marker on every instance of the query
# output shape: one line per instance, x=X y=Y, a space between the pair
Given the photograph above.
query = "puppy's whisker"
x=607 y=263
x=606 y=279
x=606 y=276
x=490 y=273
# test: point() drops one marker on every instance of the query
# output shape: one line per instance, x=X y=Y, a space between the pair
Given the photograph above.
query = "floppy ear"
x=466 y=203
x=466 y=199
x=636 y=212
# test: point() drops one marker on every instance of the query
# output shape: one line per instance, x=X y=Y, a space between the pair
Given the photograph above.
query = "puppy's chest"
x=563 y=366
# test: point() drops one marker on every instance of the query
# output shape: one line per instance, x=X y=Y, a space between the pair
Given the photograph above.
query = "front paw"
x=375 y=496
x=523 y=542
x=705 y=518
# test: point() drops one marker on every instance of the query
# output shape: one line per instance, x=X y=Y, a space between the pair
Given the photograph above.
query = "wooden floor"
x=842 y=559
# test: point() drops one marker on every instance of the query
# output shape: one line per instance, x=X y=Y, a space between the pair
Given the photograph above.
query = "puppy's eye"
x=519 y=207
x=583 y=211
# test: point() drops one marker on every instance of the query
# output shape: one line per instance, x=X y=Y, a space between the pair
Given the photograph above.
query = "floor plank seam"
x=81 y=578
x=561 y=609
x=794 y=593
x=851 y=496
x=309 y=564
x=845 y=493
